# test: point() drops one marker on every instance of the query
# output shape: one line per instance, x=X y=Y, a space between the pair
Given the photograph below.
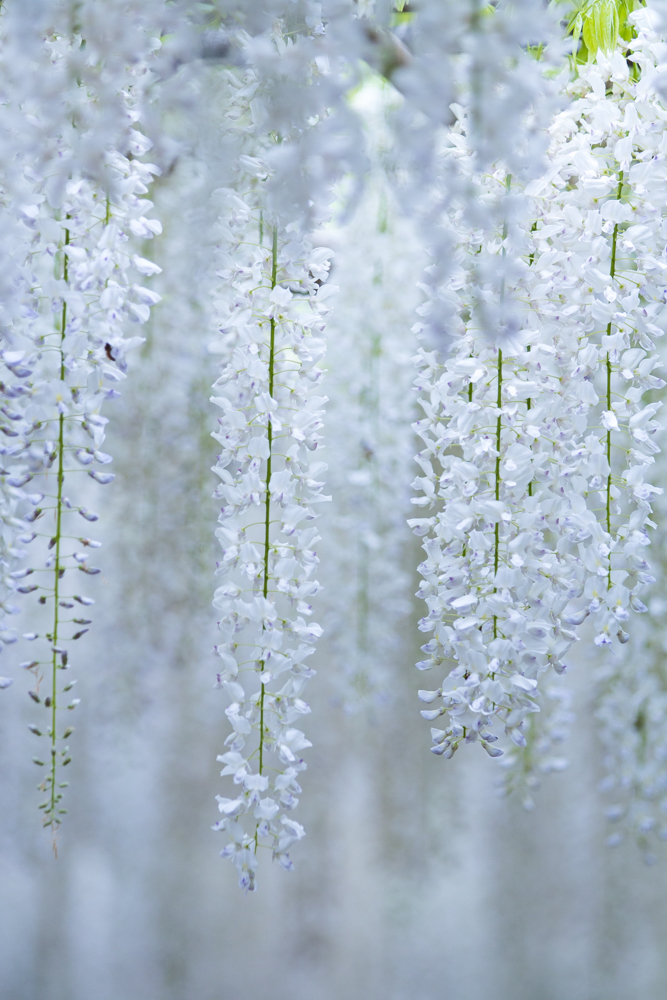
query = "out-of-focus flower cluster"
x=366 y=542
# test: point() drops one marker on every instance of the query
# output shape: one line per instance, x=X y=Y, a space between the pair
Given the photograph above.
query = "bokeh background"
x=416 y=881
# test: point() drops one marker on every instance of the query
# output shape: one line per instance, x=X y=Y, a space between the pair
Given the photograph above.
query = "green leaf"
x=600 y=25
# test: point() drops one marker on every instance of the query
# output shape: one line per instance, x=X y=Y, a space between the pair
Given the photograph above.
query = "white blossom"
x=542 y=524
x=269 y=310
x=65 y=325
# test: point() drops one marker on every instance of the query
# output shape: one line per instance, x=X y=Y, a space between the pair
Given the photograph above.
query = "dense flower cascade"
x=632 y=697
x=270 y=312
x=65 y=351
x=604 y=257
x=81 y=362
x=271 y=414
x=614 y=584
x=494 y=582
x=543 y=300
x=546 y=520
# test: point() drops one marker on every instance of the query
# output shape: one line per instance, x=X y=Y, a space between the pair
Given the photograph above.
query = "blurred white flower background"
x=330 y=344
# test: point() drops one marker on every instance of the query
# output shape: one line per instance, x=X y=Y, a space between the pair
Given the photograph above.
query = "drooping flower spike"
x=76 y=295
x=546 y=512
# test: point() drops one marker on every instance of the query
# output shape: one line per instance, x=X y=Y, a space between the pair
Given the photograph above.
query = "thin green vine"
x=51 y=818
x=528 y=405
x=499 y=421
x=612 y=274
x=267 y=500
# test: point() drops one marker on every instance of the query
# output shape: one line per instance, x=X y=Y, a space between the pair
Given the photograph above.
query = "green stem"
x=612 y=274
x=531 y=257
x=619 y=192
x=499 y=403
x=267 y=502
x=57 y=565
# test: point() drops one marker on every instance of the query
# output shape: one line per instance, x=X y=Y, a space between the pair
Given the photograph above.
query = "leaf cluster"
x=597 y=25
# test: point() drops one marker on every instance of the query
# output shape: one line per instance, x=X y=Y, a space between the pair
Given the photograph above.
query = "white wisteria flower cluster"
x=76 y=295
x=542 y=438
x=268 y=393
x=525 y=144
x=270 y=307
x=631 y=706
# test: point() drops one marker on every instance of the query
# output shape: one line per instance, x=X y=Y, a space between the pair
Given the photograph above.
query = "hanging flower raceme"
x=271 y=311
x=632 y=692
x=595 y=251
x=496 y=420
x=64 y=352
x=269 y=307
x=81 y=362
x=542 y=438
x=494 y=582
